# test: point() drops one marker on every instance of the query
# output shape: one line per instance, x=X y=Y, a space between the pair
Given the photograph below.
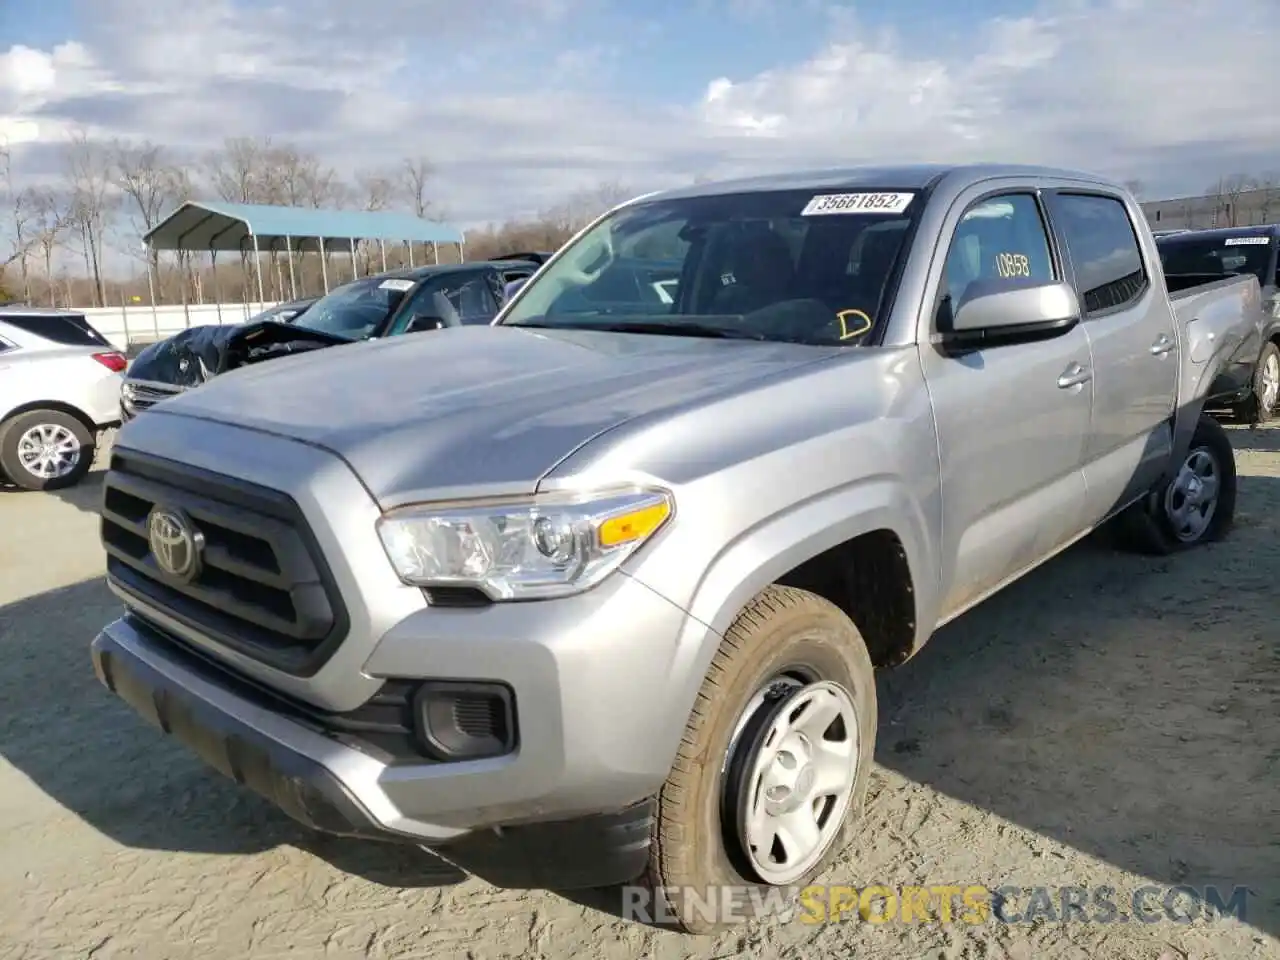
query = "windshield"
x=797 y=266
x=357 y=309
x=1216 y=256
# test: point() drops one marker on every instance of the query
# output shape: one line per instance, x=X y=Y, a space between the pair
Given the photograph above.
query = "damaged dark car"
x=368 y=308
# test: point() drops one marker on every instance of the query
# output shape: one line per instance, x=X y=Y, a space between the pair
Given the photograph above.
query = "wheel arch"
x=59 y=405
x=876 y=520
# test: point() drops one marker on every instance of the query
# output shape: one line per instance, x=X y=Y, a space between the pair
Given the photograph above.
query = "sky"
x=520 y=103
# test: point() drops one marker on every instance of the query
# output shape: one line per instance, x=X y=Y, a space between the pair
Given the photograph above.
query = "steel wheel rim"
x=800 y=773
x=49 y=451
x=1270 y=392
x=1192 y=498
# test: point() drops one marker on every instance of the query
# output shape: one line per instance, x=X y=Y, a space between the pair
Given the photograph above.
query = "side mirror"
x=422 y=322
x=996 y=312
x=510 y=289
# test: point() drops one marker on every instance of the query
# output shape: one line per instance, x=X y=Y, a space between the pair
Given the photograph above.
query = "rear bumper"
x=338 y=789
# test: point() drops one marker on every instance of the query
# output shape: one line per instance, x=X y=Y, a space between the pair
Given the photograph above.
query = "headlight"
x=549 y=546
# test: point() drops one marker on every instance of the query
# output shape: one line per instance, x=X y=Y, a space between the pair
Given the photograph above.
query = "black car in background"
x=284 y=312
x=384 y=305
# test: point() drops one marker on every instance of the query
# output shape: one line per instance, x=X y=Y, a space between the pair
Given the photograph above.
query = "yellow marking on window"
x=853 y=323
x=1010 y=265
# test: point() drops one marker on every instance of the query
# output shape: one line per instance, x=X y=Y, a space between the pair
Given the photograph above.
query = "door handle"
x=1163 y=344
x=1073 y=376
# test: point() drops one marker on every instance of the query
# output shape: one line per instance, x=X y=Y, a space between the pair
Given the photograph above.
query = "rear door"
x=1133 y=340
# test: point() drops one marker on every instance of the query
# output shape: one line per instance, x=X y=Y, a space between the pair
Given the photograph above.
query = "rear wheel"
x=45 y=450
x=1263 y=401
x=774 y=764
x=1197 y=505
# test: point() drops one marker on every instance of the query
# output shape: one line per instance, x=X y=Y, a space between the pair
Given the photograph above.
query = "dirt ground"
x=1109 y=720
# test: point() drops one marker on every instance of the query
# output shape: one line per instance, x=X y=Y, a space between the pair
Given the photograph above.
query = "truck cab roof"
x=906 y=177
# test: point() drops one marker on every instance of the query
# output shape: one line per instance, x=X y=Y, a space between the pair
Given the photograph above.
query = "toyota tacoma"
x=594 y=594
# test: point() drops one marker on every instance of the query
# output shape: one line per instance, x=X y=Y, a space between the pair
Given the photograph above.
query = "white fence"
x=140 y=324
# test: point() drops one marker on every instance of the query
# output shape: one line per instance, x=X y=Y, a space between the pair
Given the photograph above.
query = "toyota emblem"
x=175 y=544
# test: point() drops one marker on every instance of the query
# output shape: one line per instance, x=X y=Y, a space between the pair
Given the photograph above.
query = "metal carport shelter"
x=211 y=227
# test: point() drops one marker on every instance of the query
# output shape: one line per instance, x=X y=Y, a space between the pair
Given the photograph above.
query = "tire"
x=1263 y=401
x=696 y=844
x=59 y=427
x=1153 y=526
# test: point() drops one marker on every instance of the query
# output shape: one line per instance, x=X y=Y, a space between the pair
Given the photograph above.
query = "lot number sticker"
x=1247 y=241
x=404 y=286
x=857 y=203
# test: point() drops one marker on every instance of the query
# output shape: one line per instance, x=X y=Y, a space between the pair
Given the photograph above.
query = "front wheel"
x=1197 y=505
x=774 y=764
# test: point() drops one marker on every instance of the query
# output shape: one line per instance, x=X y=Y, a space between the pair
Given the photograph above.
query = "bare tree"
x=89 y=169
x=49 y=222
x=236 y=172
x=18 y=205
x=1268 y=186
x=581 y=208
x=414 y=174
x=377 y=190
x=151 y=185
x=146 y=179
x=1227 y=193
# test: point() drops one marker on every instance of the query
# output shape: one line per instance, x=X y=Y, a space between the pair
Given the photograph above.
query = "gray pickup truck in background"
x=596 y=593
x=1249 y=384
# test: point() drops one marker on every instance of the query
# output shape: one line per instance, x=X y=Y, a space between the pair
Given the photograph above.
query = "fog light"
x=456 y=720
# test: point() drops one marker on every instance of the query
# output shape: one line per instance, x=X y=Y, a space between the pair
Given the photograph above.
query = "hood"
x=197 y=354
x=477 y=410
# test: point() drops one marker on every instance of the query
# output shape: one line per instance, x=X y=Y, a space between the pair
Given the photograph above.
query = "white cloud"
x=1089 y=83
x=518 y=111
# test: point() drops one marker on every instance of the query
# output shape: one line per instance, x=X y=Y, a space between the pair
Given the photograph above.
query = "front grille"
x=144 y=396
x=263 y=588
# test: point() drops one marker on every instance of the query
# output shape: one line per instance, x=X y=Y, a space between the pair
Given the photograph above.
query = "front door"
x=1011 y=420
x=1134 y=345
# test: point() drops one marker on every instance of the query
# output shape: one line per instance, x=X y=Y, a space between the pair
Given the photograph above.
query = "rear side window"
x=1104 y=250
x=69 y=331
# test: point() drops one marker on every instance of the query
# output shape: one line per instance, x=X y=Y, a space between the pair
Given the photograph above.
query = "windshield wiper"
x=677 y=328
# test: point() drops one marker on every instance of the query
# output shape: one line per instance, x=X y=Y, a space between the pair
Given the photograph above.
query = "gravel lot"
x=1110 y=720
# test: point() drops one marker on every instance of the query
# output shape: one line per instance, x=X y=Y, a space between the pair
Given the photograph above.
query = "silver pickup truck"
x=596 y=593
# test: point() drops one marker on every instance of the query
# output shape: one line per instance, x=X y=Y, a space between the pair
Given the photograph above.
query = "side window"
x=499 y=282
x=1104 y=250
x=473 y=299
x=67 y=331
x=999 y=238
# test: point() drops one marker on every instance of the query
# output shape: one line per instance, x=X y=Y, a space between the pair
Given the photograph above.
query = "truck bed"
x=1220 y=318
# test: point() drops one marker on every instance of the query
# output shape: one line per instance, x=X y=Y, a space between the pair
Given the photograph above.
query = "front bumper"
x=573 y=802
x=301 y=770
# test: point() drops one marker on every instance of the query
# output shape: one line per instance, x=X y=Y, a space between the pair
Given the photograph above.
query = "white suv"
x=59 y=389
